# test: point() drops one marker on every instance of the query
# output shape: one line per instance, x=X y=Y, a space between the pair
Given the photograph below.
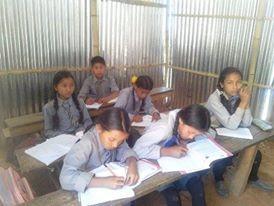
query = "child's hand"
x=245 y=97
x=132 y=172
x=90 y=101
x=137 y=118
x=113 y=182
x=156 y=116
x=176 y=151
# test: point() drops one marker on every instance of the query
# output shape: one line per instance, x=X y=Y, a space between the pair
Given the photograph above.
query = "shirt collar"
x=98 y=80
x=61 y=102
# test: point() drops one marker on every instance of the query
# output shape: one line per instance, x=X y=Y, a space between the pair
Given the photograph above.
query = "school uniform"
x=68 y=118
x=220 y=116
x=86 y=155
x=159 y=135
x=129 y=101
x=98 y=88
x=230 y=117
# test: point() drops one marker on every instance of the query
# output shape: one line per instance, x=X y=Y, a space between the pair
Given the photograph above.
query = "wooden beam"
x=243 y=168
x=141 y=3
x=256 y=42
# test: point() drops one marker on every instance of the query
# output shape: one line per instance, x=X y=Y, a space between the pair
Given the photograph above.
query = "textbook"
x=93 y=106
x=242 y=133
x=53 y=148
x=147 y=120
x=94 y=196
x=200 y=155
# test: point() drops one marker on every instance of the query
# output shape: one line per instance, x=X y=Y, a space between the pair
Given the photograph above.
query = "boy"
x=99 y=87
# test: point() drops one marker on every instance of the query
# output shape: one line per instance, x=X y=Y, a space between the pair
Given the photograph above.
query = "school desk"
x=157 y=94
x=246 y=148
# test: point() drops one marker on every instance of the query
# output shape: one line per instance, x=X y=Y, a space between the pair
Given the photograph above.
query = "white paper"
x=52 y=149
x=147 y=121
x=243 y=133
x=93 y=106
x=113 y=100
x=99 y=195
x=199 y=156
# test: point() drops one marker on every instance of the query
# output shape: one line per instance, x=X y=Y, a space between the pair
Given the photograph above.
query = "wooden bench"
x=246 y=148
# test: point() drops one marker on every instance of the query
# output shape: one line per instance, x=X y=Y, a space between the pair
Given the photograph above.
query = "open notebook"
x=93 y=196
x=93 y=106
x=200 y=155
x=147 y=120
x=242 y=133
x=52 y=149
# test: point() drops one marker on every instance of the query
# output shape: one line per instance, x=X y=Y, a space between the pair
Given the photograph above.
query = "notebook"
x=200 y=155
x=52 y=149
x=147 y=120
x=94 y=196
x=93 y=106
x=242 y=133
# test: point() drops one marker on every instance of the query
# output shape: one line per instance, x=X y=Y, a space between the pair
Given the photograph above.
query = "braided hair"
x=194 y=115
x=144 y=82
x=56 y=80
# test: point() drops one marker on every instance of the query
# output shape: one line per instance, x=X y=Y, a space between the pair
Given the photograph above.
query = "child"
x=65 y=114
x=99 y=87
x=136 y=100
x=105 y=142
x=168 y=137
x=229 y=107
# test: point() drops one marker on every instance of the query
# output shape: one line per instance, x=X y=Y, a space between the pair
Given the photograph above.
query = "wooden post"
x=94 y=28
x=240 y=177
x=256 y=41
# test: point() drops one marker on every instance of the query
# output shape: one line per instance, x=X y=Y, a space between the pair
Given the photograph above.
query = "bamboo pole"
x=256 y=42
x=95 y=28
x=141 y=3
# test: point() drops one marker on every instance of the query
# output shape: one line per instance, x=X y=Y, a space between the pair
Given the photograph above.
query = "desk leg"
x=244 y=166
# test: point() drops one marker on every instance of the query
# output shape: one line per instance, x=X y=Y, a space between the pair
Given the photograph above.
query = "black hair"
x=144 y=82
x=225 y=102
x=224 y=73
x=114 y=119
x=97 y=59
x=57 y=78
x=194 y=115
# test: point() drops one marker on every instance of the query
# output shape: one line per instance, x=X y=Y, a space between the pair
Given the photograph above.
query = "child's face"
x=141 y=93
x=98 y=70
x=187 y=132
x=232 y=84
x=65 y=88
x=113 y=138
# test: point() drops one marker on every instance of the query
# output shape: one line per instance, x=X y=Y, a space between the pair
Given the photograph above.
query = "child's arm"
x=176 y=151
x=87 y=122
x=132 y=172
x=222 y=115
x=83 y=93
x=150 y=109
x=111 y=96
x=108 y=182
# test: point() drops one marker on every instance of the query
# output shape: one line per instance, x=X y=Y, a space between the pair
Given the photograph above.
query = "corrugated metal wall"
x=203 y=36
x=207 y=36
x=133 y=35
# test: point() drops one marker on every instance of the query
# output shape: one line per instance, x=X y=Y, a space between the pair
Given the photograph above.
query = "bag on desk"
x=14 y=190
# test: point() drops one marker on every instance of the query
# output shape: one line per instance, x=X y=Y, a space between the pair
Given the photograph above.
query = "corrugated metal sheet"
x=132 y=35
x=208 y=35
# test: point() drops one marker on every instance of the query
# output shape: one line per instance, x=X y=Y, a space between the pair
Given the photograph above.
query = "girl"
x=65 y=114
x=168 y=137
x=229 y=107
x=104 y=142
x=136 y=100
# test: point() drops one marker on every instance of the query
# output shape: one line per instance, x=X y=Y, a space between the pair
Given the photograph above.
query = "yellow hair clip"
x=134 y=79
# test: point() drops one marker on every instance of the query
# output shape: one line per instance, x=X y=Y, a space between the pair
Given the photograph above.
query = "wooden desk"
x=234 y=145
x=157 y=96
